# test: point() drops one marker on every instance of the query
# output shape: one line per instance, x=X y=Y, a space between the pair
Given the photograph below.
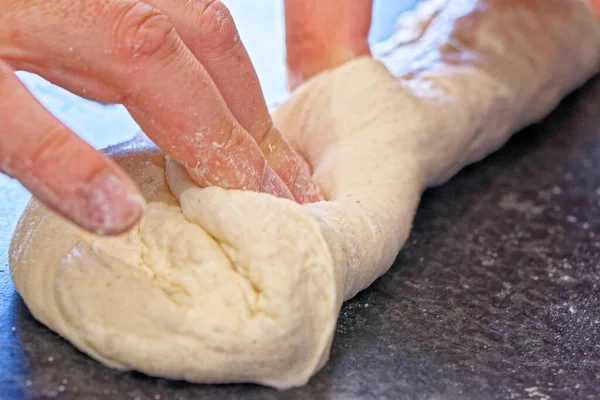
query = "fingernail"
x=112 y=205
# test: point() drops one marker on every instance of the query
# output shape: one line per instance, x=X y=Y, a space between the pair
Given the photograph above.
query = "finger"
x=59 y=168
x=315 y=43
x=138 y=56
x=208 y=30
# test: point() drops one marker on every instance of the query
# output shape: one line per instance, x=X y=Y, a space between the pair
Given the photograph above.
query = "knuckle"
x=53 y=147
x=6 y=72
x=217 y=28
x=142 y=32
x=229 y=140
x=236 y=138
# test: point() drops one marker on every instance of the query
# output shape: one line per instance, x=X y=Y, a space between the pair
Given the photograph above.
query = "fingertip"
x=110 y=205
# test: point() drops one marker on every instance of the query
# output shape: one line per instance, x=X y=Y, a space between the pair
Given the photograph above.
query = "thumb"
x=324 y=34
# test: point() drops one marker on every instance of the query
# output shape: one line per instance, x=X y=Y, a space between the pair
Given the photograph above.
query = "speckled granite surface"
x=495 y=296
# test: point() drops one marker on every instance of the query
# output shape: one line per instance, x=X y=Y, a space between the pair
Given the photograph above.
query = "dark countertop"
x=495 y=296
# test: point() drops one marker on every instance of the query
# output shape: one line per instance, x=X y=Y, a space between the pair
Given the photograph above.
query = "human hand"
x=180 y=70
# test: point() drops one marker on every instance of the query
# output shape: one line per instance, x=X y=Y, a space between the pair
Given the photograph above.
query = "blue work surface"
x=496 y=294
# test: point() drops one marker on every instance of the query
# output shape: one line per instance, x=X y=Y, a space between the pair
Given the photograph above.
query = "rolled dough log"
x=228 y=286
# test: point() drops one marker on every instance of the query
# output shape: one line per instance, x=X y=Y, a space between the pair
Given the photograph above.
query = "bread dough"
x=228 y=286
x=216 y=289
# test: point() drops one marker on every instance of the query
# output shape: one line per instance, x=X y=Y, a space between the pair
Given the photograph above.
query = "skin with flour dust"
x=181 y=71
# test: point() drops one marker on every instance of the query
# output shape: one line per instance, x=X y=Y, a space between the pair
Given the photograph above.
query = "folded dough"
x=228 y=286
